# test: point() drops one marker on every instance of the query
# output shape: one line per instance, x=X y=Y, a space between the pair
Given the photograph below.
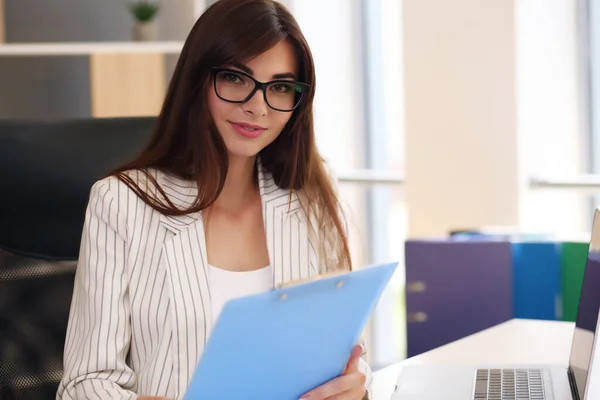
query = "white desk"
x=513 y=342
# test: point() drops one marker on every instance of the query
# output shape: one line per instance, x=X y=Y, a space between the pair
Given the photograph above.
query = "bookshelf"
x=126 y=78
x=70 y=59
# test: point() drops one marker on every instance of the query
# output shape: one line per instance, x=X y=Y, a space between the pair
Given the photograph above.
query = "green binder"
x=574 y=257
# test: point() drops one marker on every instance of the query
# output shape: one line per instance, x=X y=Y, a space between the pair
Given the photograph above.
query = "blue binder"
x=284 y=343
x=537 y=279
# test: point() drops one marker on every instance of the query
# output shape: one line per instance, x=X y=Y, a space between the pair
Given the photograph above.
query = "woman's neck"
x=240 y=185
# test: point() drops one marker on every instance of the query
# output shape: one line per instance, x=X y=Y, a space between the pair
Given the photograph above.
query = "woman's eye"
x=281 y=88
x=233 y=78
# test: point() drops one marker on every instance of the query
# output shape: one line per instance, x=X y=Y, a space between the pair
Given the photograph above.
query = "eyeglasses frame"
x=258 y=85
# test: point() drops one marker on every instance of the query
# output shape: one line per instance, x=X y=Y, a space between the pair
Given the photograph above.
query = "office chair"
x=47 y=169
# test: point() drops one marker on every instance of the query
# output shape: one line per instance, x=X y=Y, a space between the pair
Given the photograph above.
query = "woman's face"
x=249 y=127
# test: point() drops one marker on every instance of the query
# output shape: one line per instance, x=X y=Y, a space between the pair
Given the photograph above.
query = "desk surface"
x=513 y=342
x=88 y=48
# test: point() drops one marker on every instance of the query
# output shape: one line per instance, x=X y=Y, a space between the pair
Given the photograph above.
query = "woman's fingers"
x=351 y=383
x=354 y=360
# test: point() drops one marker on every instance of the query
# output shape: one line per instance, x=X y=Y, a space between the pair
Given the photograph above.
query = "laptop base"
x=457 y=382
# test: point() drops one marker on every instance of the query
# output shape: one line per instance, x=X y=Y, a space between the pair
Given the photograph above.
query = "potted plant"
x=144 y=13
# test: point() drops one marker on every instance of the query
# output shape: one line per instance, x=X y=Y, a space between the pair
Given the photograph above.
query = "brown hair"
x=186 y=143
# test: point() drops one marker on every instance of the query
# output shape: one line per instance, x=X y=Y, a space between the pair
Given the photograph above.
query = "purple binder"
x=455 y=288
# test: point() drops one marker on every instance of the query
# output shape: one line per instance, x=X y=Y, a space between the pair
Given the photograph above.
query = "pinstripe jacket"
x=141 y=314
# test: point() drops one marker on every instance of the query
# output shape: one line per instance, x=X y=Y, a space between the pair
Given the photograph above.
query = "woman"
x=229 y=198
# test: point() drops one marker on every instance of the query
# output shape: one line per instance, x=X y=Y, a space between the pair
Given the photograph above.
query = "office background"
x=470 y=114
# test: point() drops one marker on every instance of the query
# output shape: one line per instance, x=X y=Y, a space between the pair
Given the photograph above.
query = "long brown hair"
x=186 y=143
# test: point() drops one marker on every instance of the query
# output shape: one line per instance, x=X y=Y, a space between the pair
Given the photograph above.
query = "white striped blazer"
x=141 y=314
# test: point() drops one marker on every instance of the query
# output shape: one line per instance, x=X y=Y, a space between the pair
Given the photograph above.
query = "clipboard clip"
x=313 y=278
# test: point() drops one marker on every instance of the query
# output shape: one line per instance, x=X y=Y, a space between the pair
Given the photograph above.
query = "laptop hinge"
x=573 y=384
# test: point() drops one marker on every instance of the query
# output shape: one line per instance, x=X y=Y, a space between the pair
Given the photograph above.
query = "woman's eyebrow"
x=283 y=76
x=251 y=72
x=243 y=68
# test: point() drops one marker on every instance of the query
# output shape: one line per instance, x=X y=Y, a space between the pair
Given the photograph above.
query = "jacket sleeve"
x=364 y=367
x=99 y=330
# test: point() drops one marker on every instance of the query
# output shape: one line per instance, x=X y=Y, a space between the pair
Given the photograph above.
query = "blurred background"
x=438 y=116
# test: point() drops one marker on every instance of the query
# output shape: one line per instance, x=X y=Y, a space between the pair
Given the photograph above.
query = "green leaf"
x=144 y=11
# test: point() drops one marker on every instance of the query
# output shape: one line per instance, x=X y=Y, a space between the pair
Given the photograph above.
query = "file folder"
x=537 y=280
x=454 y=288
x=573 y=259
x=286 y=342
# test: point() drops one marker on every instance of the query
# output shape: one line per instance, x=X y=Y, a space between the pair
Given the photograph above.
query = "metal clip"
x=419 y=317
x=416 y=287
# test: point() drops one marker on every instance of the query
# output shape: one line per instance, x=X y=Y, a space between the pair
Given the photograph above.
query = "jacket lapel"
x=290 y=249
x=185 y=259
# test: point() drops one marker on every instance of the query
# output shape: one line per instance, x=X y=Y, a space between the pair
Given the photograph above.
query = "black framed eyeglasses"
x=236 y=86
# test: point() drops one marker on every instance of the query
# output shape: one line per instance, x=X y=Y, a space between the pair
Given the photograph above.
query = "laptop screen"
x=587 y=315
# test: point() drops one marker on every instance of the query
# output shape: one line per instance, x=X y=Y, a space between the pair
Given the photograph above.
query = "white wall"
x=461 y=116
x=491 y=97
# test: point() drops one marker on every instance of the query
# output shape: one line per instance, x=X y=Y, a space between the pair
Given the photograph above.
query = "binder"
x=536 y=268
x=537 y=279
x=285 y=342
x=454 y=288
x=573 y=258
x=546 y=275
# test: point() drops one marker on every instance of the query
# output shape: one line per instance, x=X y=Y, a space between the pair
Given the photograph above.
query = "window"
x=590 y=39
x=357 y=47
x=387 y=216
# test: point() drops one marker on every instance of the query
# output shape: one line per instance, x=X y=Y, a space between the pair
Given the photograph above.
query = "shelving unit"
x=88 y=48
x=70 y=60
x=126 y=78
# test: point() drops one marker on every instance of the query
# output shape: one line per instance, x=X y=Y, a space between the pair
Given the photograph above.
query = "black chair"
x=47 y=169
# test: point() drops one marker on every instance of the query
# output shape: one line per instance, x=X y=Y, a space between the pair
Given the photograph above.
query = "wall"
x=44 y=87
x=461 y=140
x=2 y=27
x=492 y=96
x=76 y=20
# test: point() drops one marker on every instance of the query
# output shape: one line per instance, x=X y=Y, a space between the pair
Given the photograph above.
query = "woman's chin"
x=243 y=152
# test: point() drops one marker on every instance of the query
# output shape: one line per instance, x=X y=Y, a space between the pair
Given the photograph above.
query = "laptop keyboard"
x=509 y=384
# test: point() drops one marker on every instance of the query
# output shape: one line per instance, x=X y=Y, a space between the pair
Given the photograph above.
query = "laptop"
x=521 y=382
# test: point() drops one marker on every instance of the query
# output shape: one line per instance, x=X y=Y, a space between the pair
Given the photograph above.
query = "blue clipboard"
x=283 y=343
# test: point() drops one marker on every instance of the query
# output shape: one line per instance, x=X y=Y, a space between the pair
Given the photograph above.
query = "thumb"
x=352 y=365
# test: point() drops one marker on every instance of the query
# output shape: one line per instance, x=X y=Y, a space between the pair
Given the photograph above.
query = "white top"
x=227 y=285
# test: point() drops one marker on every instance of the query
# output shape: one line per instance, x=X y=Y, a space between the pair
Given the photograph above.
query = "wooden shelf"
x=88 y=48
x=127 y=84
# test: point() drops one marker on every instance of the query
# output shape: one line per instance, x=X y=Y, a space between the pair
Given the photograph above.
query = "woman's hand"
x=349 y=386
